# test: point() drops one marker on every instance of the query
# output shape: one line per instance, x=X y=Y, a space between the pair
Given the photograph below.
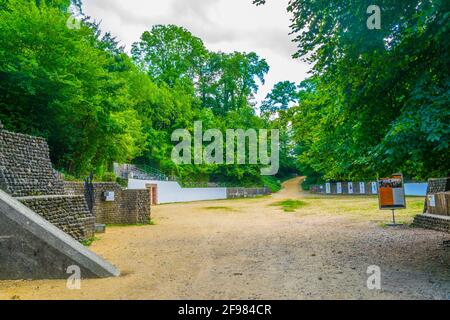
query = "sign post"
x=391 y=195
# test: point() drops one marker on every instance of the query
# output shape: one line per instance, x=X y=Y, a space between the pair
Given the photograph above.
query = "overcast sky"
x=223 y=25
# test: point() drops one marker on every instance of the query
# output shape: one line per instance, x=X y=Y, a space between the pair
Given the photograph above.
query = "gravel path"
x=250 y=249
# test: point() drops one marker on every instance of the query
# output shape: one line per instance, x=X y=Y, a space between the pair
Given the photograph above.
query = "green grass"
x=219 y=208
x=290 y=205
x=151 y=223
x=89 y=242
x=272 y=183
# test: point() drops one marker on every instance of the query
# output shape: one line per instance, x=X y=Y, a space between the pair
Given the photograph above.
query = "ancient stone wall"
x=68 y=213
x=128 y=207
x=74 y=188
x=433 y=222
x=235 y=193
x=26 y=173
x=25 y=167
x=438 y=185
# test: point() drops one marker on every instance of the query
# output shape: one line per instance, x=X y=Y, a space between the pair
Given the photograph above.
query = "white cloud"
x=225 y=25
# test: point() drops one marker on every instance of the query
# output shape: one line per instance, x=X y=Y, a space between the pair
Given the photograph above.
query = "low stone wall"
x=68 y=213
x=74 y=188
x=433 y=222
x=128 y=207
x=235 y=193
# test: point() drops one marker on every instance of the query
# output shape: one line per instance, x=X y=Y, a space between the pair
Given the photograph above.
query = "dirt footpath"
x=250 y=249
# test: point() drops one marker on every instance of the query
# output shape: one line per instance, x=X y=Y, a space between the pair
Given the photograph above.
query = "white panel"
x=362 y=188
x=399 y=199
x=374 y=188
x=432 y=200
x=350 y=188
x=171 y=191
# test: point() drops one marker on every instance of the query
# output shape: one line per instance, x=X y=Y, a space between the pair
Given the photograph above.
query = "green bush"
x=272 y=183
x=108 y=177
x=123 y=182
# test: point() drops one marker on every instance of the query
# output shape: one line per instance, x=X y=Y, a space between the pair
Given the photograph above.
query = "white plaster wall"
x=170 y=191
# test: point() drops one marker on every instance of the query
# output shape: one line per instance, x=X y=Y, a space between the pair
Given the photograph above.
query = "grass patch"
x=289 y=205
x=219 y=208
x=151 y=223
x=89 y=242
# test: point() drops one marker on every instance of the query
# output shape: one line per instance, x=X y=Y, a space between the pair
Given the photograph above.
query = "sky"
x=223 y=25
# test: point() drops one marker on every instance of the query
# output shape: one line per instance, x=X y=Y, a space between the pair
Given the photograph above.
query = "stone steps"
x=33 y=248
x=69 y=213
x=433 y=222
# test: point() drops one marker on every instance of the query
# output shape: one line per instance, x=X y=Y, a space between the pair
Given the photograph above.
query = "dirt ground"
x=250 y=249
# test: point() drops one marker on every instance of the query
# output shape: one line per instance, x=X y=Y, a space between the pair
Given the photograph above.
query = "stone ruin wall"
x=68 y=213
x=236 y=193
x=432 y=218
x=129 y=206
x=25 y=166
x=26 y=173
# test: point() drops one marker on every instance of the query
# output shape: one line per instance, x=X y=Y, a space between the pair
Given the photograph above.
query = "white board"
x=362 y=188
x=432 y=200
x=374 y=188
x=399 y=196
x=350 y=188
x=339 y=188
x=328 y=188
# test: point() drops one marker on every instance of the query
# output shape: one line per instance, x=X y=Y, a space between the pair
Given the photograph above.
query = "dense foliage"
x=96 y=105
x=377 y=102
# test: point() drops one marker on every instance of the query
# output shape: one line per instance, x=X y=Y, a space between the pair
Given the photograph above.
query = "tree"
x=281 y=97
x=170 y=54
x=379 y=98
x=60 y=84
x=235 y=79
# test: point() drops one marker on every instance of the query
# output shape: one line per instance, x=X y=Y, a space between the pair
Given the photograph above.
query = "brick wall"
x=68 y=213
x=128 y=207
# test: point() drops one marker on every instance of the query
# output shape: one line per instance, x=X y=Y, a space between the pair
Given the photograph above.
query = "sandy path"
x=247 y=249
